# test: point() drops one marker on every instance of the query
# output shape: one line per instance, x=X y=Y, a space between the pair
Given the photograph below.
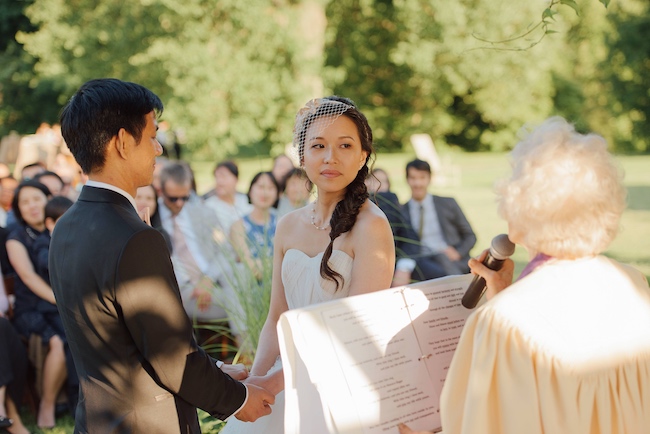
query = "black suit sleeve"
x=406 y=242
x=150 y=303
x=466 y=237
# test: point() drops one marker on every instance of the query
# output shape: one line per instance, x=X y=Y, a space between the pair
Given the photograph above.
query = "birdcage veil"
x=314 y=117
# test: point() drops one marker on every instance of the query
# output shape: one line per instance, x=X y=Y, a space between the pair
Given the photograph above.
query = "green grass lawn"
x=474 y=192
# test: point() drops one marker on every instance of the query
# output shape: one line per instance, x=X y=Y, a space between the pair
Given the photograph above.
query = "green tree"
x=415 y=67
x=361 y=36
x=629 y=72
x=24 y=102
x=225 y=69
x=232 y=75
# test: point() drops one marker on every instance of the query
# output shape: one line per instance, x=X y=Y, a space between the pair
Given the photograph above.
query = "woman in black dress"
x=35 y=309
x=13 y=367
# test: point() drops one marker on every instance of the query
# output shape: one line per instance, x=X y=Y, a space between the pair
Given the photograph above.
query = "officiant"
x=565 y=348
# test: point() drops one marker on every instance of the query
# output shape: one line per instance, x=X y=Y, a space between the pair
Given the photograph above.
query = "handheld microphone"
x=500 y=250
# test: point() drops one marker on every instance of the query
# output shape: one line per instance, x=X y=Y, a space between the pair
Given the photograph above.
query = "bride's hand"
x=238 y=371
x=273 y=381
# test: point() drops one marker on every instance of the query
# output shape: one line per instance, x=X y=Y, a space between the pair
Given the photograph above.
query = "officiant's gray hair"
x=566 y=196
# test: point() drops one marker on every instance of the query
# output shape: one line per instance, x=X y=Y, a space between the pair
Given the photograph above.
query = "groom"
x=140 y=369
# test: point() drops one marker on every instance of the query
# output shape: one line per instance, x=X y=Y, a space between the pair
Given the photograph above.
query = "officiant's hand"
x=403 y=429
x=496 y=281
x=257 y=405
x=238 y=371
x=401 y=278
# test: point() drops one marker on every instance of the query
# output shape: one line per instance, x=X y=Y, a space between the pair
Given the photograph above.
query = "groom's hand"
x=257 y=405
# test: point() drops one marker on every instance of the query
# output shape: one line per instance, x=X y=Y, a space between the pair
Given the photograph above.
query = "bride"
x=338 y=246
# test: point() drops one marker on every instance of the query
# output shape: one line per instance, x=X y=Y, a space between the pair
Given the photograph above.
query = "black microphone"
x=500 y=250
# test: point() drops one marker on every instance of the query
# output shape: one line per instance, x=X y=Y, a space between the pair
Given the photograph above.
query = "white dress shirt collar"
x=97 y=184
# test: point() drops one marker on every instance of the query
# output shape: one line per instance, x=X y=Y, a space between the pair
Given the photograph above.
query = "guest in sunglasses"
x=200 y=260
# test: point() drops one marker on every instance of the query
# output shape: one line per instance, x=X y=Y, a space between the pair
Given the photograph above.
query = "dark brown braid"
x=346 y=211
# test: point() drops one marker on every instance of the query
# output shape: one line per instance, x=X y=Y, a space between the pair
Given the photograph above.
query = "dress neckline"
x=318 y=254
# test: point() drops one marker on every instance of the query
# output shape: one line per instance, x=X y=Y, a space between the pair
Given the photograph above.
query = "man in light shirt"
x=200 y=252
x=441 y=232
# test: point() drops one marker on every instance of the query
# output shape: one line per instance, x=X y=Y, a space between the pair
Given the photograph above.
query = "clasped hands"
x=261 y=391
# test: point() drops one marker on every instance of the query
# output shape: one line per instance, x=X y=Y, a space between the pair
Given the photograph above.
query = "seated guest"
x=3 y=213
x=565 y=348
x=30 y=171
x=52 y=181
x=8 y=184
x=160 y=163
x=35 y=309
x=252 y=235
x=406 y=247
x=442 y=231
x=225 y=201
x=13 y=368
x=282 y=165
x=378 y=181
x=201 y=264
x=146 y=199
x=297 y=189
x=54 y=209
x=378 y=187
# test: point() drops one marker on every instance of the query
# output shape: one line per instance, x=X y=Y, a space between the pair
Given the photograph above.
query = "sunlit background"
x=232 y=74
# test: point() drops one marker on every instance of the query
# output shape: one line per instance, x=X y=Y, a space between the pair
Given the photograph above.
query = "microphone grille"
x=502 y=247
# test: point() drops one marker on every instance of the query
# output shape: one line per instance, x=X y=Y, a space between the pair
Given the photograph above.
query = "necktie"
x=421 y=227
x=184 y=255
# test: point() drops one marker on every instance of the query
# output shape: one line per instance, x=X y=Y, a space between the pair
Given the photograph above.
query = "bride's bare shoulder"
x=371 y=218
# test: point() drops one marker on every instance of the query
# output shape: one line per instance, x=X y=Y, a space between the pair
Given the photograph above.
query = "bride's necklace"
x=313 y=220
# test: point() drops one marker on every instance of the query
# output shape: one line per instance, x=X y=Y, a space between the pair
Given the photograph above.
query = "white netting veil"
x=313 y=118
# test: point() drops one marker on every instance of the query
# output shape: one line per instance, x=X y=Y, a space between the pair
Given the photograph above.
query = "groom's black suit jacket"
x=140 y=369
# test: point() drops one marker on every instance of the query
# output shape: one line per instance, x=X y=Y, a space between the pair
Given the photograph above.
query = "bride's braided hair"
x=346 y=210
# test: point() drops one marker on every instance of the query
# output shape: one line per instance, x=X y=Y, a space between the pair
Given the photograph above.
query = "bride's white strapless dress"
x=303 y=286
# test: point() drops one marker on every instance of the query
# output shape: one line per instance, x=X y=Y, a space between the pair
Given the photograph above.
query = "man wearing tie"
x=140 y=369
x=441 y=231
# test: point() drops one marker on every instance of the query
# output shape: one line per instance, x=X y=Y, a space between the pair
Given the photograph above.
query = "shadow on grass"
x=64 y=424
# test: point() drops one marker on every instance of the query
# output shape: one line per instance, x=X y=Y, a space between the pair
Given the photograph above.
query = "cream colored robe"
x=564 y=350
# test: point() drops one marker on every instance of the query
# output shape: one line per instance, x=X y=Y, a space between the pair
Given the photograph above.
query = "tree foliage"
x=424 y=67
x=24 y=101
x=628 y=66
x=232 y=74
x=225 y=69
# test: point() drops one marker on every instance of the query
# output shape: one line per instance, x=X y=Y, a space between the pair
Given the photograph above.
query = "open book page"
x=363 y=357
x=438 y=328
